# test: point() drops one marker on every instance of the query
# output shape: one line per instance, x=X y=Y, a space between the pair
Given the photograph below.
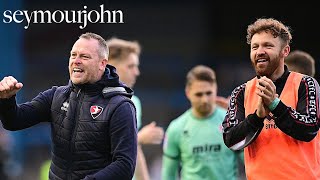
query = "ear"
x=286 y=50
x=187 y=92
x=103 y=64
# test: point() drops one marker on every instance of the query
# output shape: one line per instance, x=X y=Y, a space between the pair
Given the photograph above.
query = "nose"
x=77 y=60
x=204 y=98
x=261 y=51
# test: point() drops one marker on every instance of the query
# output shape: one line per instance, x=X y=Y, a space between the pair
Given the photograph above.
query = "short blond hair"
x=201 y=73
x=119 y=49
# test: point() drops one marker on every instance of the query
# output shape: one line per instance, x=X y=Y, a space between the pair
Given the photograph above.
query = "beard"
x=268 y=68
x=204 y=109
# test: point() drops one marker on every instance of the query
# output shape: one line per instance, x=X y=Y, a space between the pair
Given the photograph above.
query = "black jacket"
x=93 y=127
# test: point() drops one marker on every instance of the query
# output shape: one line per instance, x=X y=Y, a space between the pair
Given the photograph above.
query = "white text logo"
x=82 y=17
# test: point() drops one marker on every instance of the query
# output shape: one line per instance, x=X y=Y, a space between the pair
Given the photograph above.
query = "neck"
x=278 y=72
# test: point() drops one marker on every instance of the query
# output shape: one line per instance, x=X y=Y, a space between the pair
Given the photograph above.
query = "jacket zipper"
x=74 y=130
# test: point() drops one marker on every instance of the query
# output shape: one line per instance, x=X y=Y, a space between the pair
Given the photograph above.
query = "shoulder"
x=135 y=98
x=136 y=101
x=221 y=111
x=119 y=100
x=55 y=90
x=175 y=128
x=177 y=124
x=308 y=83
x=238 y=92
x=61 y=89
x=309 y=80
x=239 y=88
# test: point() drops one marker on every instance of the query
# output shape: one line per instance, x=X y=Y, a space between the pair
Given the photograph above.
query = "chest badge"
x=65 y=106
x=95 y=111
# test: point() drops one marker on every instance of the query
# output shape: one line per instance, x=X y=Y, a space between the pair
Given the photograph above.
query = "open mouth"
x=261 y=60
x=77 y=70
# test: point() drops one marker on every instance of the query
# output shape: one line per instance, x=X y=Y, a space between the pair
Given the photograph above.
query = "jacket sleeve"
x=123 y=136
x=301 y=123
x=16 y=117
x=239 y=131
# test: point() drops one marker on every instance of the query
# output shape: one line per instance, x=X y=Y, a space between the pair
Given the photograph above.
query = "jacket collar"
x=110 y=80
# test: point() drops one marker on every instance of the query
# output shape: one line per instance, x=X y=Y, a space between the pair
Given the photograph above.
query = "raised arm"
x=16 y=117
x=238 y=130
x=301 y=123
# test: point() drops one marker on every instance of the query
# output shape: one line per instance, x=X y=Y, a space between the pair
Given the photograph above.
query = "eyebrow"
x=202 y=93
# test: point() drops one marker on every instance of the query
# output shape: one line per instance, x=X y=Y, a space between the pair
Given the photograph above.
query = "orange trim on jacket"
x=275 y=155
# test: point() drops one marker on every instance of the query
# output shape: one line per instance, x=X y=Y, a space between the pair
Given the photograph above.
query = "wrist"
x=274 y=104
x=259 y=115
x=140 y=139
x=255 y=120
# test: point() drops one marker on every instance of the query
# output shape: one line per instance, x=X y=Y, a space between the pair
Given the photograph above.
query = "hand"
x=9 y=86
x=266 y=90
x=262 y=110
x=222 y=101
x=150 y=134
